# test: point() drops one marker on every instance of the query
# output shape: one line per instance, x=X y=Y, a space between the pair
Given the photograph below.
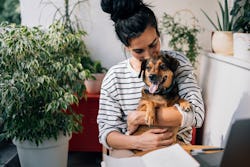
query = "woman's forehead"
x=145 y=39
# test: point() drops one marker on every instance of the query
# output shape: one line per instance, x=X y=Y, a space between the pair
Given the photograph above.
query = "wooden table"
x=187 y=148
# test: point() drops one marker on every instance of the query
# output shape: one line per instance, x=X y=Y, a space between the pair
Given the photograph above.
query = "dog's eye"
x=163 y=66
x=148 y=68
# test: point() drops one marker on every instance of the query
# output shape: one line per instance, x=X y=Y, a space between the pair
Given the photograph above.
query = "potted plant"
x=93 y=84
x=183 y=38
x=40 y=77
x=222 y=37
x=241 y=29
x=96 y=71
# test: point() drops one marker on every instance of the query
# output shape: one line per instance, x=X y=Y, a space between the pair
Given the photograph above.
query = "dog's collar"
x=161 y=91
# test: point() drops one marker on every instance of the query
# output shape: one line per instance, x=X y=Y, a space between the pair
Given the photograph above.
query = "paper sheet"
x=172 y=156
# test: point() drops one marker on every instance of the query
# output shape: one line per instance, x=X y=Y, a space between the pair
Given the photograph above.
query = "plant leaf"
x=219 y=23
x=210 y=20
x=227 y=22
x=223 y=16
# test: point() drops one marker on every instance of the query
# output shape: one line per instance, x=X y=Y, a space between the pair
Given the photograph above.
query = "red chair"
x=193 y=141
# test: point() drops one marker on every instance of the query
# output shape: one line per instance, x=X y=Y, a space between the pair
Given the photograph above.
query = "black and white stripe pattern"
x=121 y=91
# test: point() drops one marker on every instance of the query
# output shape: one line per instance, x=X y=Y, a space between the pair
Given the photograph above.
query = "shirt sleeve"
x=110 y=116
x=190 y=91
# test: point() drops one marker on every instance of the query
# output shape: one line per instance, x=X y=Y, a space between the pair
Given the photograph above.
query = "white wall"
x=101 y=39
x=225 y=81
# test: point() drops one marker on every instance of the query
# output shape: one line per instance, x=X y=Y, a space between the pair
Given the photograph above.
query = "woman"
x=136 y=27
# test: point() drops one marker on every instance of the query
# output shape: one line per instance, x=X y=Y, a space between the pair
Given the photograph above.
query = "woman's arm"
x=148 y=140
x=110 y=116
x=166 y=117
x=189 y=90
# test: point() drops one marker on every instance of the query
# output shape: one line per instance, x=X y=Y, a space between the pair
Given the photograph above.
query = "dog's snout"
x=152 y=77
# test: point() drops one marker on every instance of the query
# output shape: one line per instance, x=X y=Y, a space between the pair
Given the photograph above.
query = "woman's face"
x=145 y=45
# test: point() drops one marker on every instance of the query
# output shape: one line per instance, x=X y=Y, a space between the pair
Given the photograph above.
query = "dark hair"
x=131 y=18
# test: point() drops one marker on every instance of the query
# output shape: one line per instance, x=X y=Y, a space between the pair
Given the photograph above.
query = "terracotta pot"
x=94 y=86
x=242 y=46
x=222 y=42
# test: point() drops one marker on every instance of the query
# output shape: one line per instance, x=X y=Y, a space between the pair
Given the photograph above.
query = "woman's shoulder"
x=120 y=65
x=117 y=70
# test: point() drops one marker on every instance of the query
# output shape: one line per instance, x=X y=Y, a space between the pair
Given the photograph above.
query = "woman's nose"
x=148 y=54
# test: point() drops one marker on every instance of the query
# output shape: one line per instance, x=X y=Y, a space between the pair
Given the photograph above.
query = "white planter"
x=51 y=153
x=222 y=42
x=242 y=46
x=94 y=86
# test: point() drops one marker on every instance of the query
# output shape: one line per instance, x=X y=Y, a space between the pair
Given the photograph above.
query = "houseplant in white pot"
x=241 y=29
x=40 y=77
x=222 y=37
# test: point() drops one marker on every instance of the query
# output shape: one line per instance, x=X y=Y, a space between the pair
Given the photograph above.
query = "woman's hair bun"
x=121 y=9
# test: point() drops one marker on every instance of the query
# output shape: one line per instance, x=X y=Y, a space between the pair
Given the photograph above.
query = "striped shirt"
x=121 y=92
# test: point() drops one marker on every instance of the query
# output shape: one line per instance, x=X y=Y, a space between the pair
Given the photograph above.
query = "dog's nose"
x=152 y=77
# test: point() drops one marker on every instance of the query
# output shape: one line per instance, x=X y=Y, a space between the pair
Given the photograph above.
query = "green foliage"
x=41 y=75
x=182 y=38
x=241 y=13
x=10 y=11
x=66 y=14
x=226 y=23
x=93 y=66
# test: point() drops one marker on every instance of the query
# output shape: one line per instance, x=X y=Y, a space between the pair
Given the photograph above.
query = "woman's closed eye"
x=138 y=51
x=154 y=44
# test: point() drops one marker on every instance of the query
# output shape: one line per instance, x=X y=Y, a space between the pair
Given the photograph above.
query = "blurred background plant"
x=66 y=14
x=69 y=18
x=241 y=13
x=10 y=11
x=94 y=66
x=226 y=22
x=182 y=37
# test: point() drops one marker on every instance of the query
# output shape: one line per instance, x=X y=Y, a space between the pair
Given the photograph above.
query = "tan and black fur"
x=161 y=89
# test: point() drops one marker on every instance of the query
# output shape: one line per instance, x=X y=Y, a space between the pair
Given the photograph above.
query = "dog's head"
x=158 y=72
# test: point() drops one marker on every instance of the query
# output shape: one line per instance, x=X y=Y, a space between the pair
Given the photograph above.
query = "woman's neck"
x=135 y=64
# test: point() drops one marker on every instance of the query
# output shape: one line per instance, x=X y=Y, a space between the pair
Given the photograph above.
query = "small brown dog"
x=160 y=89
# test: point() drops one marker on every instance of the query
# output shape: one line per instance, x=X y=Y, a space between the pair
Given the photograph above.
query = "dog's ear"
x=172 y=62
x=143 y=67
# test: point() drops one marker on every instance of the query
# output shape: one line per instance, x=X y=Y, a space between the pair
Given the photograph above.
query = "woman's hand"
x=134 y=119
x=155 y=138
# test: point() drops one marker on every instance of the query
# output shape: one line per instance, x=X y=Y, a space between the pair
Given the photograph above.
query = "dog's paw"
x=150 y=118
x=186 y=108
x=185 y=105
